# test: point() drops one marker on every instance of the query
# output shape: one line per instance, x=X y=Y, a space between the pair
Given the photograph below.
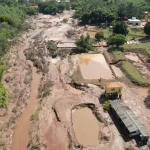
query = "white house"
x=134 y=21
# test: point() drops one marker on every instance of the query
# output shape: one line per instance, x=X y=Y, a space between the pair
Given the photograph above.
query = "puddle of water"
x=86 y=127
x=94 y=66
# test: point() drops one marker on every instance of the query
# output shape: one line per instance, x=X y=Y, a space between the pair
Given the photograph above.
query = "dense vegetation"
x=102 y=11
x=12 y=16
x=84 y=44
x=52 y=7
x=147 y=28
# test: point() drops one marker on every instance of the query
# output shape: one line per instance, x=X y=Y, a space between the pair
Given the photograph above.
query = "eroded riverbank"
x=21 y=135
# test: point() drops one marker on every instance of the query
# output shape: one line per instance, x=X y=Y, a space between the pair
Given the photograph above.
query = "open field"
x=134 y=75
x=143 y=48
x=136 y=33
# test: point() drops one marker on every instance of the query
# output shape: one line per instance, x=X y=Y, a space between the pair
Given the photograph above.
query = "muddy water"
x=94 y=66
x=21 y=133
x=86 y=127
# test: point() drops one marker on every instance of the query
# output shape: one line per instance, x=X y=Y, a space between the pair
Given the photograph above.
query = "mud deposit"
x=86 y=127
x=133 y=57
x=94 y=66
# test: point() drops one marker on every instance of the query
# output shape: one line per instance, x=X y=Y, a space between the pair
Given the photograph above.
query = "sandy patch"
x=117 y=71
x=74 y=91
x=92 y=34
x=133 y=57
x=94 y=66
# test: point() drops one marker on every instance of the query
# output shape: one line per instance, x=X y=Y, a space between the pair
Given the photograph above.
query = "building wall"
x=113 y=90
x=134 y=23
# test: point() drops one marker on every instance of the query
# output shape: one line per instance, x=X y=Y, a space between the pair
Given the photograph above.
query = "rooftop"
x=129 y=119
x=134 y=19
x=113 y=84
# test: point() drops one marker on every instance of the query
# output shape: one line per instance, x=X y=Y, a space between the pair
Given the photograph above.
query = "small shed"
x=113 y=90
x=134 y=21
x=129 y=120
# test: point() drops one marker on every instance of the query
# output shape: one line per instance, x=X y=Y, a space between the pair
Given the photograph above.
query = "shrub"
x=107 y=105
x=51 y=46
x=99 y=35
x=3 y=96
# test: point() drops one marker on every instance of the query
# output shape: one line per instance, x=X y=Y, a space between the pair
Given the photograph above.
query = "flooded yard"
x=94 y=66
x=86 y=127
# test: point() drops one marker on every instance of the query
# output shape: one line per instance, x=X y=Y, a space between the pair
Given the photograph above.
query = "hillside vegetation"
x=100 y=11
x=12 y=16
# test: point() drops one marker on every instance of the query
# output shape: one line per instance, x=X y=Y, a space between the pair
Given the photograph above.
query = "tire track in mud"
x=21 y=135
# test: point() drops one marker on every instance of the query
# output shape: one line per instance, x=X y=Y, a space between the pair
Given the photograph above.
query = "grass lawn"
x=134 y=75
x=143 y=48
x=107 y=32
x=118 y=55
x=135 y=32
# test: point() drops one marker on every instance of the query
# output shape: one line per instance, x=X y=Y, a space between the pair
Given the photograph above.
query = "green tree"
x=99 y=35
x=122 y=10
x=61 y=7
x=85 y=18
x=85 y=43
x=120 y=28
x=117 y=39
x=147 y=28
x=47 y=10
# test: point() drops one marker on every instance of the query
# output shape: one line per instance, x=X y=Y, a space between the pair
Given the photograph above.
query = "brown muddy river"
x=21 y=137
x=86 y=127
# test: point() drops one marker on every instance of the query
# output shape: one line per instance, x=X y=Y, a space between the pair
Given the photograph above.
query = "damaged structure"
x=129 y=120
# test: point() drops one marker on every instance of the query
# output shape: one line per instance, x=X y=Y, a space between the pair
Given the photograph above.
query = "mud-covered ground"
x=42 y=89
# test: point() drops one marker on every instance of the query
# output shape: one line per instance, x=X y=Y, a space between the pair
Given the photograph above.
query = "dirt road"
x=21 y=135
